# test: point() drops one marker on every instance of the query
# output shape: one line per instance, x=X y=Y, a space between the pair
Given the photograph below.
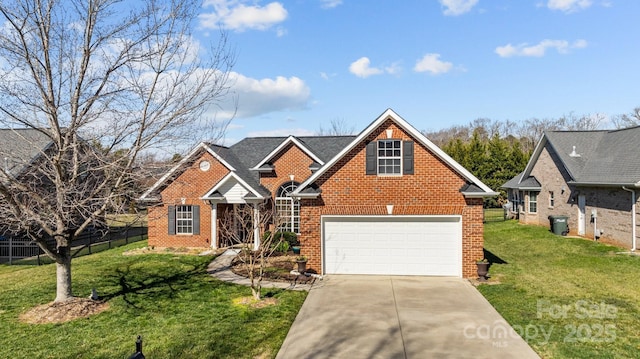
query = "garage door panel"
x=393 y=245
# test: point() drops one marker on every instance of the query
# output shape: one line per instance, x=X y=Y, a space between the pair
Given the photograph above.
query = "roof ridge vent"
x=574 y=153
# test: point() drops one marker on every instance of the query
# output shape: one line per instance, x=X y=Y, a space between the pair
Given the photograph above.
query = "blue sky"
x=437 y=63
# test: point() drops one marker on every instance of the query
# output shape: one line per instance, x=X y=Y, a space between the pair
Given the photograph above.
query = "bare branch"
x=86 y=88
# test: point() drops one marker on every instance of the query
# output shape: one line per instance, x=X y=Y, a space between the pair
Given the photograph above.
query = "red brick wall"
x=290 y=161
x=190 y=185
x=432 y=189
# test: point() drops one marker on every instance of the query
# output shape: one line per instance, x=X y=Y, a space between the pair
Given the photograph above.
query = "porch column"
x=214 y=225
x=256 y=227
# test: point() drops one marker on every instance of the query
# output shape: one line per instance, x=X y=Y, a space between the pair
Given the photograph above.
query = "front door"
x=581 y=216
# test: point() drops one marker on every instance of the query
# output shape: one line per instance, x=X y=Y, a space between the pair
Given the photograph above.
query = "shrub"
x=289 y=237
x=282 y=247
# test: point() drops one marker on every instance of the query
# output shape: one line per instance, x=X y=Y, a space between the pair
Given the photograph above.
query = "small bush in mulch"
x=278 y=269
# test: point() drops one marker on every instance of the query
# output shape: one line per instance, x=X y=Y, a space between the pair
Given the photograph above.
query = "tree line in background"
x=496 y=151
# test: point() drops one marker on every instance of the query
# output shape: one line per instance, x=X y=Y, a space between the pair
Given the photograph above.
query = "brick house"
x=387 y=201
x=590 y=176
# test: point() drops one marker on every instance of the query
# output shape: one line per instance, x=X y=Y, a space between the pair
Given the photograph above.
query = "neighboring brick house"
x=387 y=201
x=590 y=176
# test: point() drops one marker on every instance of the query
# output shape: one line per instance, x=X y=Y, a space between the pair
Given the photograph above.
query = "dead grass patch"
x=193 y=251
x=250 y=301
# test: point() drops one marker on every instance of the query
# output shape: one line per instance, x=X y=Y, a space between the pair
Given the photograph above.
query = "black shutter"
x=372 y=158
x=407 y=157
x=172 y=220
x=196 y=219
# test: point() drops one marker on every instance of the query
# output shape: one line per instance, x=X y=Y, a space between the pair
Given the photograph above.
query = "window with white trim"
x=184 y=219
x=390 y=157
x=533 y=202
x=288 y=209
x=552 y=199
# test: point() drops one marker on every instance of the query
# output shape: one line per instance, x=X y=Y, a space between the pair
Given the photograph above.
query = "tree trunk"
x=63 y=274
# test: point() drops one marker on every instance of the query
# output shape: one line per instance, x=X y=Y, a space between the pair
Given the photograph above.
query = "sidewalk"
x=221 y=268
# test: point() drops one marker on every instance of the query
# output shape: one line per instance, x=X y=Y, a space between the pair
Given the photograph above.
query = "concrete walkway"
x=400 y=317
x=221 y=269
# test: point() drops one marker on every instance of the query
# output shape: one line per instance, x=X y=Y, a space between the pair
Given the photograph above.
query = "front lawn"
x=180 y=311
x=568 y=297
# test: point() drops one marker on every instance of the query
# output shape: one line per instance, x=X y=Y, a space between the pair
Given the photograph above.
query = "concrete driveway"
x=400 y=317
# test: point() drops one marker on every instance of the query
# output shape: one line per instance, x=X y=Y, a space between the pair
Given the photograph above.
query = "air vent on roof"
x=574 y=153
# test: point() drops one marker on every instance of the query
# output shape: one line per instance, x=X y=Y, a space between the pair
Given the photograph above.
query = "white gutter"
x=633 y=217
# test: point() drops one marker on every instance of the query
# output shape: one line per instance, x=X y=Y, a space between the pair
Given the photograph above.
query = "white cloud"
x=361 y=68
x=568 y=5
x=394 y=69
x=327 y=76
x=235 y=15
x=330 y=4
x=457 y=7
x=281 y=132
x=280 y=31
x=257 y=97
x=539 y=50
x=432 y=63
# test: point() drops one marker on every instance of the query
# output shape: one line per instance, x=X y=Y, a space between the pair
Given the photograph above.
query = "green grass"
x=579 y=292
x=180 y=310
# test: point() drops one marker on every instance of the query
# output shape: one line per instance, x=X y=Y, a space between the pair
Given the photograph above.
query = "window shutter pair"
x=195 y=210
x=372 y=158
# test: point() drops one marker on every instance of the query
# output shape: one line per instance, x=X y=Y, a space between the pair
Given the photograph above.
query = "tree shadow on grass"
x=143 y=286
x=492 y=258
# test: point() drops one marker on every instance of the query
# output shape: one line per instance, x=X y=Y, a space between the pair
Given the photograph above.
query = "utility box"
x=559 y=225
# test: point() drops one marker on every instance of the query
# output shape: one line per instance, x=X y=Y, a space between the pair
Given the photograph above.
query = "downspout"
x=633 y=217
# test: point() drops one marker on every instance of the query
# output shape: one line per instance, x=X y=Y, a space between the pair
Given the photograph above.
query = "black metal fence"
x=17 y=249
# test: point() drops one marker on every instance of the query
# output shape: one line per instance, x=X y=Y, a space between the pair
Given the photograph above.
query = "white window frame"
x=388 y=160
x=287 y=208
x=184 y=219
x=552 y=199
x=533 y=202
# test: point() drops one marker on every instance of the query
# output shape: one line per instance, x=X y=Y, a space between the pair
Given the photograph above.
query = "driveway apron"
x=399 y=317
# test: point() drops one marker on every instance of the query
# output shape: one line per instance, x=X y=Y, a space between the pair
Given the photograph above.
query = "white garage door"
x=393 y=245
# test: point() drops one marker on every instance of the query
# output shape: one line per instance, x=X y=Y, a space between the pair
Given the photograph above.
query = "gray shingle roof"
x=19 y=147
x=241 y=170
x=326 y=147
x=605 y=157
x=250 y=151
x=516 y=183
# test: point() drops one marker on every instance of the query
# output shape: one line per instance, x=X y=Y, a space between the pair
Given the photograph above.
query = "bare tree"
x=627 y=120
x=588 y=122
x=125 y=75
x=337 y=127
x=241 y=226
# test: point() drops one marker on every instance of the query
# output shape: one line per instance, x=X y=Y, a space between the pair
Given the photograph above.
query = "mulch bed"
x=278 y=269
x=60 y=312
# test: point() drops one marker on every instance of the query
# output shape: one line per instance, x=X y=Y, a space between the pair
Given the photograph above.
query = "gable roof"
x=389 y=114
x=250 y=152
x=175 y=171
x=529 y=183
x=606 y=157
x=214 y=192
x=283 y=144
x=19 y=147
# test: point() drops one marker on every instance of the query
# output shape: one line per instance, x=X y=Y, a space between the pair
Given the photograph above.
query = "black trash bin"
x=559 y=225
